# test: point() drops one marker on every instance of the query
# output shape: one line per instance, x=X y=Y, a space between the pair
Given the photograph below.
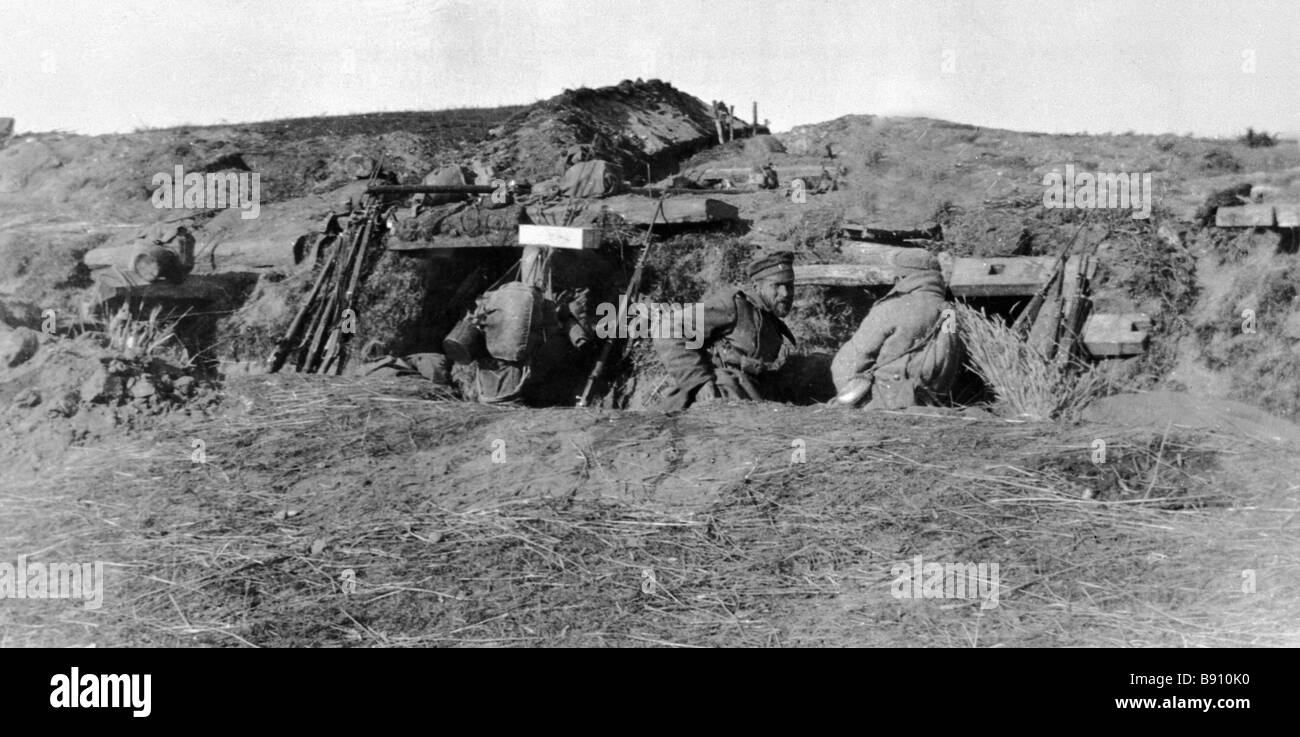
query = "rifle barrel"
x=285 y=346
x=429 y=189
x=634 y=284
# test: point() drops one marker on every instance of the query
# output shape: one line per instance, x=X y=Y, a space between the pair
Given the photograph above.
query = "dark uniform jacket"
x=742 y=342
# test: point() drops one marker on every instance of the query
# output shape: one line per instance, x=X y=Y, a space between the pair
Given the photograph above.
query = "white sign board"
x=555 y=236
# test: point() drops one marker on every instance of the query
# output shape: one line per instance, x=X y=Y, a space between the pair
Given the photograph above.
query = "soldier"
x=906 y=350
x=742 y=336
x=826 y=183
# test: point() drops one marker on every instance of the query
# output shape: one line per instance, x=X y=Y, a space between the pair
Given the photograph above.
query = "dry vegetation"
x=1027 y=384
x=255 y=547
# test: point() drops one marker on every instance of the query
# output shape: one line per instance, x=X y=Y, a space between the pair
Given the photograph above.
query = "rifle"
x=347 y=261
x=333 y=360
x=1027 y=316
x=429 y=189
x=286 y=344
x=1076 y=307
x=633 y=286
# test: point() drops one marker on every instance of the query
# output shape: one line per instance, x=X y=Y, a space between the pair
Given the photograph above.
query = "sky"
x=1209 y=68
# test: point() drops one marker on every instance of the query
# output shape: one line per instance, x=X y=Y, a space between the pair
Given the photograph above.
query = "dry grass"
x=313 y=484
x=1029 y=385
x=137 y=338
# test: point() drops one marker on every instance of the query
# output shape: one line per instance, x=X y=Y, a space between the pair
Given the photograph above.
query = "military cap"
x=773 y=265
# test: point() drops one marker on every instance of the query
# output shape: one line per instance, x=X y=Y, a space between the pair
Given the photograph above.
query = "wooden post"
x=731 y=123
x=755 y=130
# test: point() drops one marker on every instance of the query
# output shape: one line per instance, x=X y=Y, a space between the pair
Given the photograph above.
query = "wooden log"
x=875 y=264
x=846 y=275
x=740 y=173
x=1076 y=307
x=1245 y=216
x=883 y=254
x=1047 y=324
x=193 y=290
x=641 y=210
x=677 y=210
x=1108 y=335
x=892 y=232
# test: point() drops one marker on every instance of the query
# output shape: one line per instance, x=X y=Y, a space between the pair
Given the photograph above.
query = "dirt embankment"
x=647 y=128
x=63 y=195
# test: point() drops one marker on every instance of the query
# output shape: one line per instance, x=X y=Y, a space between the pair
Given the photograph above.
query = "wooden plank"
x=1013 y=276
x=1245 y=216
x=1047 y=323
x=555 y=236
x=846 y=275
x=740 y=173
x=1108 y=335
x=195 y=288
x=878 y=264
x=866 y=252
x=640 y=210
x=1288 y=214
x=677 y=210
x=892 y=232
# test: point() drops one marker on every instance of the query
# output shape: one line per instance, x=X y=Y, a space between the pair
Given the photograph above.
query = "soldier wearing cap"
x=742 y=339
x=906 y=351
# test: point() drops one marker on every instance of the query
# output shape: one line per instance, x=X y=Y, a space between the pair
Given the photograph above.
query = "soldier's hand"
x=854 y=393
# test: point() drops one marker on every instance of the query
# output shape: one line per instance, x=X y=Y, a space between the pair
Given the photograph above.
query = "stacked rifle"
x=320 y=330
x=1052 y=322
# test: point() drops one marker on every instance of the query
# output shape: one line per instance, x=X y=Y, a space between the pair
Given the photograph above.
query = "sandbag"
x=511 y=317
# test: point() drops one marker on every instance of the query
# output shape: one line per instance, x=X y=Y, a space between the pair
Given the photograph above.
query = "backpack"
x=512 y=320
x=939 y=359
x=592 y=179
